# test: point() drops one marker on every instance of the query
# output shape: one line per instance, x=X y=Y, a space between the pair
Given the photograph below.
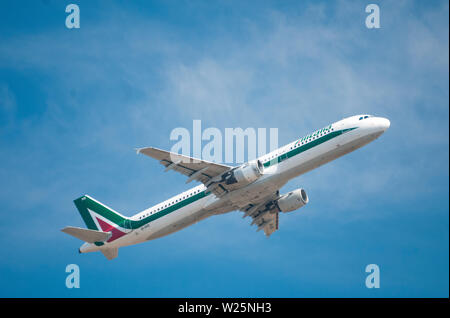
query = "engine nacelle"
x=293 y=200
x=247 y=173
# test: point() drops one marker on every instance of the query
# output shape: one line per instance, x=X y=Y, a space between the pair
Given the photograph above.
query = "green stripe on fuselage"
x=306 y=147
x=135 y=224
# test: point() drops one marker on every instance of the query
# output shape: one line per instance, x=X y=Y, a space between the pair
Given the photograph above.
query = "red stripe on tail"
x=109 y=228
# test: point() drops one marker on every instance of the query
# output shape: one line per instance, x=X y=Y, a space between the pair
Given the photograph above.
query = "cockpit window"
x=360 y=118
x=366 y=117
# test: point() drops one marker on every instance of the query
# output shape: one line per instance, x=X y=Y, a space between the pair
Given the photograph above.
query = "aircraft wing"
x=264 y=214
x=195 y=169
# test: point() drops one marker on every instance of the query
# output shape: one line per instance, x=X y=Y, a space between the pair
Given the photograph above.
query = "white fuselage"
x=280 y=165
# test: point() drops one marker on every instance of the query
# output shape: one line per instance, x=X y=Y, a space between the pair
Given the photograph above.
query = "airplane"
x=253 y=188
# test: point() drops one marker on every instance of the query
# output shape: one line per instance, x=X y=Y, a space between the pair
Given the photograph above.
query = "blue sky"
x=75 y=103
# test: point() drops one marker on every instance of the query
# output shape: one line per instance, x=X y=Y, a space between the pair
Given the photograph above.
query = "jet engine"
x=293 y=200
x=245 y=174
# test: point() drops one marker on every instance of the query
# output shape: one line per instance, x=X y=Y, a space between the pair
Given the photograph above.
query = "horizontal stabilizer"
x=86 y=235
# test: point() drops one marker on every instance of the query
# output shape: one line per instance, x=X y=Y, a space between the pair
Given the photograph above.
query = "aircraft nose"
x=384 y=123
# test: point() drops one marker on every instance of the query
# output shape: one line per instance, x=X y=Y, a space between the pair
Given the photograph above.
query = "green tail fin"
x=98 y=216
